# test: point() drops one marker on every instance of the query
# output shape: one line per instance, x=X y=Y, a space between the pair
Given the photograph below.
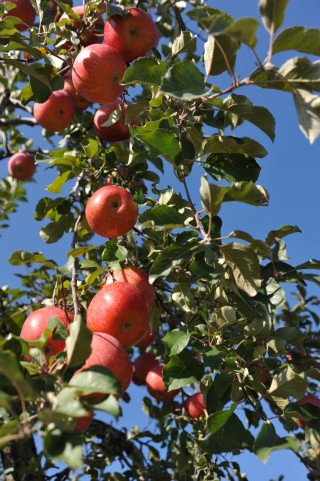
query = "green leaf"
x=68 y=403
x=272 y=13
x=10 y=369
x=232 y=167
x=145 y=71
x=55 y=230
x=176 y=341
x=311 y=264
x=212 y=358
x=247 y=192
x=96 y=379
x=231 y=437
x=308 y=109
x=182 y=370
x=64 y=446
x=57 y=184
x=185 y=42
x=244 y=30
x=78 y=343
x=79 y=251
x=243 y=108
x=285 y=230
x=184 y=81
x=302 y=39
x=164 y=141
x=183 y=296
x=244 y=265
x=217 y=49
x=219 y=144
x=21 y=257
x=169 y=258
x=114 y=254
x=268 y=441
x=302 y=72
x=211 y=196
x=162 y=216
x=217 y=420
x=288 y=383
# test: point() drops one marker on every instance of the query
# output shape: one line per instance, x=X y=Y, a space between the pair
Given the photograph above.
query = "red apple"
x=308 y=399
x=23 y=10
x=21 y=166
x=80 y=103
x=97 y=72
x=88 y=30
x=195 y=405
x=82 y=423
x=108 y=352
x=111 y=212
x=56 y=113
x=156 y=386
x=137 y=277
x=132 y=35
x=115 y=132
x=38 y=321
x=142 y=366
x=119 y=309
x=146 y=340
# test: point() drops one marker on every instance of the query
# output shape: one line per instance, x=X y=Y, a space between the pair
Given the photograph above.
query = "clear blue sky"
x=290 y=173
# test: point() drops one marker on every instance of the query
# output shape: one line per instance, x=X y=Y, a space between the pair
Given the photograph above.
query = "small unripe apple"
x=21 y=166
x=111 y=212
x=89 y=33
x=97 y=72
x=56 y=113
x=80 y=103
x=137 y=277
x=142 y=366
x=119 y=309
x=308 y=399
x=38 y=321
x=156 y=386
x=23 y=10
x=132 y=35
x=195 y=405
x=108 y=352
x=114 y=132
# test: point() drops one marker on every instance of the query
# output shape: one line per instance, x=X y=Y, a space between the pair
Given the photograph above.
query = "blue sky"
x=290 y=173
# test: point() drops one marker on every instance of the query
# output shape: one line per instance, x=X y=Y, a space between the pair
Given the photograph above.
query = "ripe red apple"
x=38 y=321
x=97 y=72
x=308 y=399
x=82 y=423
x=264 y=371
x=56 y=113
x=115 y=132
x=146 y=340
x=21 y=166
x=119 y=309
x=80 y=103
x=137 y=277
x=132 y=35
x=88 y=31
x=142 y=366
x=111 y=212
x=23 y=10
x=108 y=352
x=156 y=386
x=195 y=405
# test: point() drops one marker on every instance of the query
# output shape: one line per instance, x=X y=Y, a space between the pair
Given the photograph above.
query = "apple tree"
x=124 y=99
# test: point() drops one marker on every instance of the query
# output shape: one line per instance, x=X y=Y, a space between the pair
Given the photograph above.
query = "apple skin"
x=23 y=10
x=86 y=36
x=21 y=166
x=142 y=366
x=82 y=423
x=195 y=406
x=113 y=133
x=137 y=277
x=156 y=386
x=108 y=352
x=97 y=72
x=132 y=35
x=56 y=113
x=38 y=321
x=146 y=340
x=308 y=399
x=264 y=371
x=80 y=103
x=119 y=309
x=111 y=211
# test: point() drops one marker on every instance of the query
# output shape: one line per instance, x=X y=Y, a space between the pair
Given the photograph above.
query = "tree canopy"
x=220 y=323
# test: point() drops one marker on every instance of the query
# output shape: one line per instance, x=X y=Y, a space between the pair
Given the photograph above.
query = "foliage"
x=221 y=313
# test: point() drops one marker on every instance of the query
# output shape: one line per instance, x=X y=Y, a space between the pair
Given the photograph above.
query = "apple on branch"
x=142 y=366
x=90 y=30
x=24 y=10
x=132 y=35
x=195 y=406
x=21 y=166
x=56 y=113
x=106 y=127
x=80 y=103
x=156 y=386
